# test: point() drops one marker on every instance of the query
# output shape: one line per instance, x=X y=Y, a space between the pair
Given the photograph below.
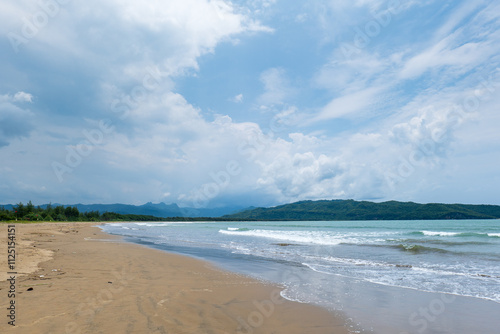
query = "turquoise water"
x=321 y=262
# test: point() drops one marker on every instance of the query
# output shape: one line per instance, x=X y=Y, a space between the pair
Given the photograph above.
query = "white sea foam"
x=163 y=224
x=358 y=262
x=309 y=237
x=440 y=234
x=425 y=270
x=242 y=250
x=303 y=237
x=453 y=234
x=414 y=278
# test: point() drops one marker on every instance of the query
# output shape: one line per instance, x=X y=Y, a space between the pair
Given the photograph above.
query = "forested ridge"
x=364 y=210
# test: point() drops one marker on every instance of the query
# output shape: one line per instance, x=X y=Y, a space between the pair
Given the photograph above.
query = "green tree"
x=60 y=217
x=49 y=210
x=58 y=210
x=107 y=216
x=30 y=208
x=92 y=216
x=6 y=215
x=72 y=213
x=20 y=210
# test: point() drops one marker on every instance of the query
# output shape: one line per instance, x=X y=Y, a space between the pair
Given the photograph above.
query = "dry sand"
x=82 y=280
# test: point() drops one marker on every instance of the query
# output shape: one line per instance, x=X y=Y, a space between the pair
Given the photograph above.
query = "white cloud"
x=359 y=83
x=358 y=72
x=297 y=176
x=350 y=106
x=453 y=22
x=429 y=134
x=277 y=87
x=23 y=97
x=118 y=40
x=201 y=23
x=237 y=99
x=461 y=47
x=463 y=58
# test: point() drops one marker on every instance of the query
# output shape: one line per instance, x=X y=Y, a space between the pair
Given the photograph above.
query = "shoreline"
x=372 y=306
x=87 y=281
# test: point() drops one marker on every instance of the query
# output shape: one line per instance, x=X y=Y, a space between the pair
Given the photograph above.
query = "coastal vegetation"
x=28 y=212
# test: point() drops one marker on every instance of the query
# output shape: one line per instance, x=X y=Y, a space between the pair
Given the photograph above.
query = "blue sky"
x=258 y=102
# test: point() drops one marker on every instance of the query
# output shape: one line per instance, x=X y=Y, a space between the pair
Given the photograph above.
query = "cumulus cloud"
x=431 y=130
x=306 y=167
x=303 y=176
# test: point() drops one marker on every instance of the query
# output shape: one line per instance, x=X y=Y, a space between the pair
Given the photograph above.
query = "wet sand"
x=73 y=278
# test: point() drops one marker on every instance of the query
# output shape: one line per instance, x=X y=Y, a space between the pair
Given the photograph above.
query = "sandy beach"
x=73 y=278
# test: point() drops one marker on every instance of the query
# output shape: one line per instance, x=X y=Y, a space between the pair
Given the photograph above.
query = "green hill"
x=362 y=210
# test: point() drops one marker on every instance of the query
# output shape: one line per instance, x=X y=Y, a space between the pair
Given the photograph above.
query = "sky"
x=253 y=102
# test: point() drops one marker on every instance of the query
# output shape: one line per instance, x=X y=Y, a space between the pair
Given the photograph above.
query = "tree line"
x=30 y=212
x=60 y=213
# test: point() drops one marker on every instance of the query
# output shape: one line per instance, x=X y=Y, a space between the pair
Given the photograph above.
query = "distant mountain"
x=7 y=206
x=362 y=210
x=150 y=209
x=157 y=210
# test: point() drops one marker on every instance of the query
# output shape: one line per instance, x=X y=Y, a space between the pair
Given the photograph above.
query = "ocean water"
x=383 y=276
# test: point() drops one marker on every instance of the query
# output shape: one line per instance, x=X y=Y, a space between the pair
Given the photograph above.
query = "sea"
x=385 y=277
